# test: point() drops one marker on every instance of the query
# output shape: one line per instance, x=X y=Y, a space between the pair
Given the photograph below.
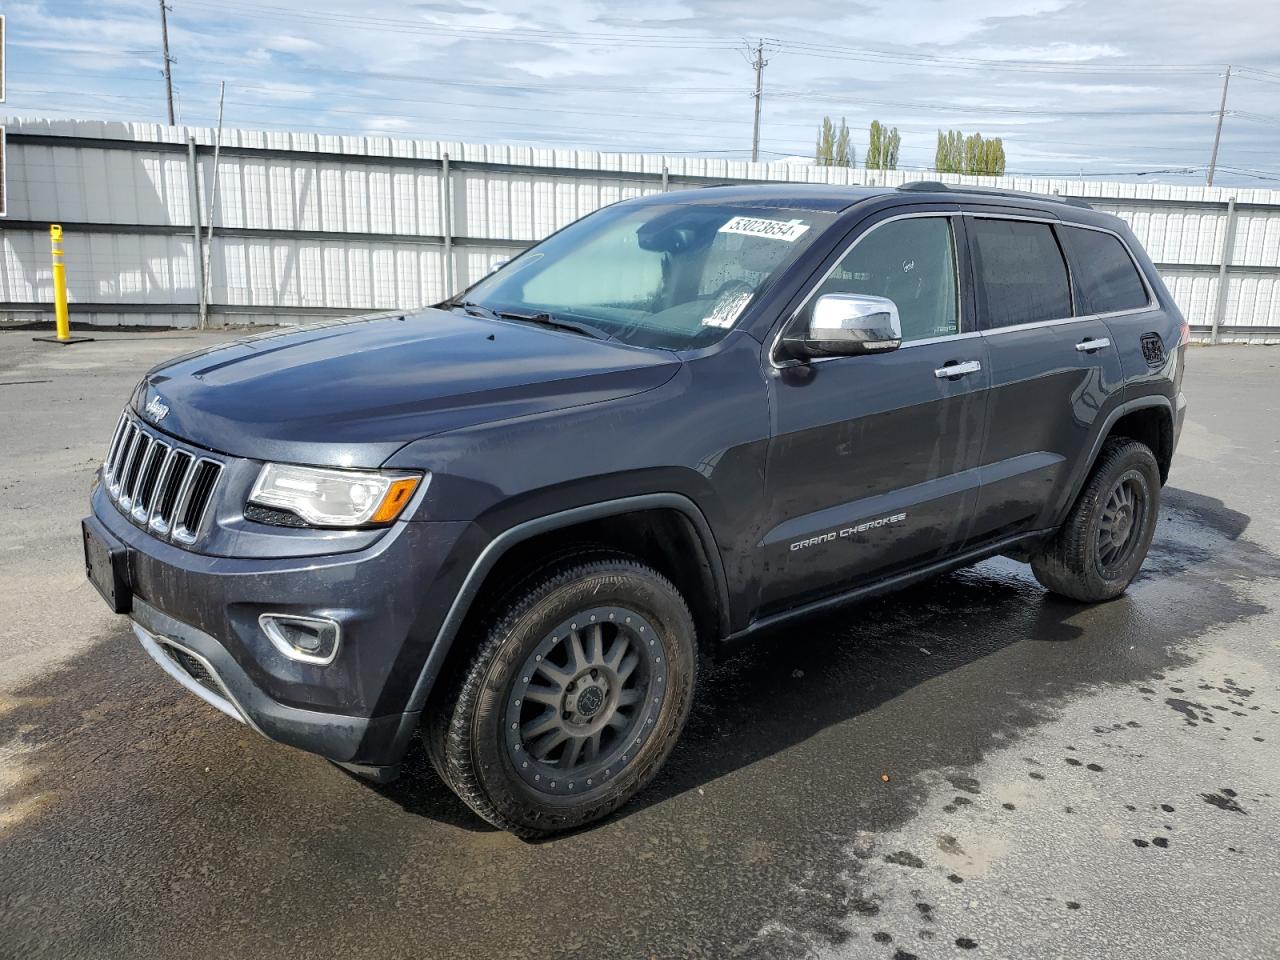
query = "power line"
x=989 y=109
x=833 y=52
x=1255 y=117
x=525 y=35
x=418 y=119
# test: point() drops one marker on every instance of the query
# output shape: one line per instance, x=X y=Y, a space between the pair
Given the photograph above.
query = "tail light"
x=1184 y=334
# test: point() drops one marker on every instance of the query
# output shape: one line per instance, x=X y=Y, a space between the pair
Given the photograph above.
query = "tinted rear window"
x=1105 y=275
x=1022 y=277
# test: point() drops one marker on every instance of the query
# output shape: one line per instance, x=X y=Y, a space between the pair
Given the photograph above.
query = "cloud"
x=672 y=74
x=289 y=44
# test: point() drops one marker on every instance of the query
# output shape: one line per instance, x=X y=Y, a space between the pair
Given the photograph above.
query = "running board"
x=887 y=585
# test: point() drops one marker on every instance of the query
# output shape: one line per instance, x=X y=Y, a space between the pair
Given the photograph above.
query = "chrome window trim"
x=1152 y=302
x=996 y=331
x=926 y=341
x=955 y=260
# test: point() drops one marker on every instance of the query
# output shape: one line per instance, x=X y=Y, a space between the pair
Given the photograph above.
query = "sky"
x=1096 y=88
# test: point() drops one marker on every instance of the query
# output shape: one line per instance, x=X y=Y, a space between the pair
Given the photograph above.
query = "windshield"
x=654 y=275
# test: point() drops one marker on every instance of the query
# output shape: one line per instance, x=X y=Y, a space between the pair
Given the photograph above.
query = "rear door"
x=1111 y=286
x=872 y=465
x=1054 y=371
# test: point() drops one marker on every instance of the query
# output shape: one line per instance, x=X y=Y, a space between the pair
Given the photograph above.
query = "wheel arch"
x=699 y=572
x=1146 y=419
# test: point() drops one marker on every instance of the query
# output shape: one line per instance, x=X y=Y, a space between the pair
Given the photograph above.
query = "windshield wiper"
x=550 y=320
x=473 y=308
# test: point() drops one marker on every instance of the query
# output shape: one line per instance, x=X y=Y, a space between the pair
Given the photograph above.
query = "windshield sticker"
x=788 y=230
x=726 y=310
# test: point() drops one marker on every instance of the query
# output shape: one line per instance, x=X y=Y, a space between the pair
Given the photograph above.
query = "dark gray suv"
x=515 y=524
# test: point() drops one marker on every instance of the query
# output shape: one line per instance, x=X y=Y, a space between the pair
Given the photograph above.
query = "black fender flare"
x=499 y=545
x=1085 y=466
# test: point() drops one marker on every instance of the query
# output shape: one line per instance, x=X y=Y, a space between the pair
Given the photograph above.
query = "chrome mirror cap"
x=848 y=324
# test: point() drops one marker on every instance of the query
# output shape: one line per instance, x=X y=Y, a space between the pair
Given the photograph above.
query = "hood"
x=352 y=392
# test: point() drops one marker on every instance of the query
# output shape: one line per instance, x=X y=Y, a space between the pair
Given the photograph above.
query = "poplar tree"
x=882 y=147
x=972 y=154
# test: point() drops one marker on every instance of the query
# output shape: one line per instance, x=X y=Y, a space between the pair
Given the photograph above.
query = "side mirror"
x=846 y=325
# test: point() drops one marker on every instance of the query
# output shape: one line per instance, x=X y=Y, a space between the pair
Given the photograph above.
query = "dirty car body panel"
x=519 y=427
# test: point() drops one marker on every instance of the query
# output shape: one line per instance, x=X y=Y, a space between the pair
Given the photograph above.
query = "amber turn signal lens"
x=397 y=496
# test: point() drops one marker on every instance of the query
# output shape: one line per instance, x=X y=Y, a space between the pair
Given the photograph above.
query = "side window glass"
x=912 y=262
x=1022 y=277
x=1105 y=274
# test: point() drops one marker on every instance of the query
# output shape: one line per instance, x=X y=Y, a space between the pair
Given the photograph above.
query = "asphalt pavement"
x=968 y=768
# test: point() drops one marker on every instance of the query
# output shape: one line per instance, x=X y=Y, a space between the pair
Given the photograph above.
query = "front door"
x=873 y=463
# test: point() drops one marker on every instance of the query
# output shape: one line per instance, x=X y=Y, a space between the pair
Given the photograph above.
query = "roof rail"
x=937 y=186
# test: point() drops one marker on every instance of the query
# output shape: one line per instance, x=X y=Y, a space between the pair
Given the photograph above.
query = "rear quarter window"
x=1106 y=277
x=1021 y=275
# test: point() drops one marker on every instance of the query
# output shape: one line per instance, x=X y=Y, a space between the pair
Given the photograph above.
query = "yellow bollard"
x=61 y=318
x=59 y=284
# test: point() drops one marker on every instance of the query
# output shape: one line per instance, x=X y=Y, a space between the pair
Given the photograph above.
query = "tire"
x=574 y=698
x=1099 y=550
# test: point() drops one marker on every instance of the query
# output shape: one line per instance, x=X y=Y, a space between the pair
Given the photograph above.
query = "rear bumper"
x=197 y=615
x=1179 y=415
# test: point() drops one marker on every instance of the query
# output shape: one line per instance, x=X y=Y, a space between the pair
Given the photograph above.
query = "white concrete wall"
x=127 y=209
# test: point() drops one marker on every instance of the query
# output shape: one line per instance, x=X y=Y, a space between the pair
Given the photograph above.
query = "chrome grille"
x=157 y=484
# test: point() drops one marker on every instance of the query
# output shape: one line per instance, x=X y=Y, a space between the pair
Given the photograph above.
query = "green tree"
x=834 y=148
x=844 y=150
x=826 y=149
x=882 y=147
x=972 y=154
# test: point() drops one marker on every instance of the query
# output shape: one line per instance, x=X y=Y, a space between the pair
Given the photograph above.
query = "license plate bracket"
x=106 y=564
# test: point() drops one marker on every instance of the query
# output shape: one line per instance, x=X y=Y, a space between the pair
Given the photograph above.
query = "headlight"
x=334 y=498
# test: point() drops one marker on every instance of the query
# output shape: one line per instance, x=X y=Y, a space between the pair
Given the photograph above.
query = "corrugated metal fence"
x=308 y=224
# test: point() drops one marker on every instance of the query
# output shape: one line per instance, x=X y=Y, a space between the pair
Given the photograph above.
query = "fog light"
x=307 y=639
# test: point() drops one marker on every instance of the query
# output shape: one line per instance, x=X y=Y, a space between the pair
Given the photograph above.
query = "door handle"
x=1088 y=346
x=957 y=369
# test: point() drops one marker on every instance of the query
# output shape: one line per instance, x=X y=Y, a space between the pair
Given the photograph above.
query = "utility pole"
x=759 y=63
x=168 y=75
x=1217 y=134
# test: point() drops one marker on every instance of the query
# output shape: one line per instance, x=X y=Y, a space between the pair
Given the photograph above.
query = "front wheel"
x=573 y=700
x=1099 y=550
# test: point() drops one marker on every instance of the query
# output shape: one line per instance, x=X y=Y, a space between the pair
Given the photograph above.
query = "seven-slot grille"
x=157 y=484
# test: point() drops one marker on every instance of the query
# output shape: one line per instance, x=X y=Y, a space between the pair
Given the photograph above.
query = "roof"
x=833 y=199
x=821 y=197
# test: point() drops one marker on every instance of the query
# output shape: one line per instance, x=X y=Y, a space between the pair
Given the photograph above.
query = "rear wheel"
x=1099 y=550
x=573 y=700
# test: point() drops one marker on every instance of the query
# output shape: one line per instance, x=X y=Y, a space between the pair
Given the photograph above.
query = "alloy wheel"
x=585 y=700
x=1123 y=519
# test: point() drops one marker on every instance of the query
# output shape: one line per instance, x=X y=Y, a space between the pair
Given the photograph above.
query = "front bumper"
x=197 y=616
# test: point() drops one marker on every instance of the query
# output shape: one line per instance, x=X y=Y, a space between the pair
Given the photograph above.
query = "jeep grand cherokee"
x=515 y=523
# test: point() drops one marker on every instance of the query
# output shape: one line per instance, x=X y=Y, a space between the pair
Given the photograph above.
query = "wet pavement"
x=969 y=768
